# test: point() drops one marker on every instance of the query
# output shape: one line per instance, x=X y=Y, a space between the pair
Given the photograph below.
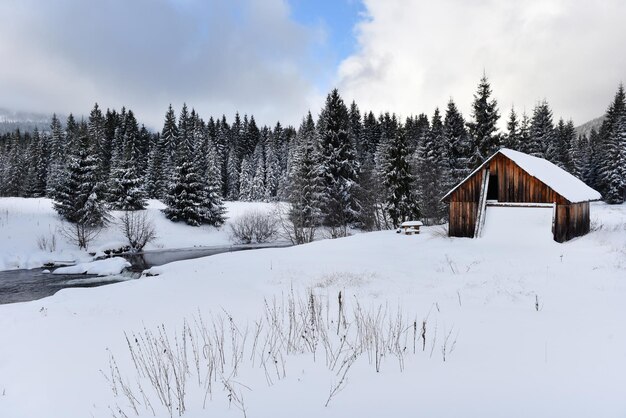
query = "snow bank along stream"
x=25 y=285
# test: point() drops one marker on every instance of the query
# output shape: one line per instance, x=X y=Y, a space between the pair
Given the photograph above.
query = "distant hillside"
x=586 y=128
x=24 y=121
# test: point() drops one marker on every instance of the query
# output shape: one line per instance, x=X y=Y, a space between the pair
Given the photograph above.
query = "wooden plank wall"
x=464 y=207
x=514 y=186
x=571 y=221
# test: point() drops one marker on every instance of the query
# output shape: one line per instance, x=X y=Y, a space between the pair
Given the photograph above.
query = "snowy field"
x=527 y=327
x=25 y=223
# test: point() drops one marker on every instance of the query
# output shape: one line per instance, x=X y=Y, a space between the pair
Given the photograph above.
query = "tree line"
x=342 y=169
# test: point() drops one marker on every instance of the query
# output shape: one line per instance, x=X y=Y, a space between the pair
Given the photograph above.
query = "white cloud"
x=219 y=56
x=414 y=55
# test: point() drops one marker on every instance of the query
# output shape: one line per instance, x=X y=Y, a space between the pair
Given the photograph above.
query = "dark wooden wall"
x=571 y=221
x=514 y=186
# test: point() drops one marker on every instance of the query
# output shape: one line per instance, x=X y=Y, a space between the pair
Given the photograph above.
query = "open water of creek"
x=33 y=284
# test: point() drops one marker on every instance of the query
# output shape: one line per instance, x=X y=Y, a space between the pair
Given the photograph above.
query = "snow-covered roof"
x=411 y=223
x=551 y=175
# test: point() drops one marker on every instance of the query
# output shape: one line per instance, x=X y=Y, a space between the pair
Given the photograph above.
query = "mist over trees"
x=341 y=169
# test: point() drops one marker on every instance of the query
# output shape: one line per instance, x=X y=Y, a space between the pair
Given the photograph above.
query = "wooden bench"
x=410 y=227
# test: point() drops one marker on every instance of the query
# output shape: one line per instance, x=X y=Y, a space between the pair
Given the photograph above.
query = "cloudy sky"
x=278 y=58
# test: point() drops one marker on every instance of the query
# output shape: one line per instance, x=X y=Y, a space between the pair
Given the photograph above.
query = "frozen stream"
x=26 y=285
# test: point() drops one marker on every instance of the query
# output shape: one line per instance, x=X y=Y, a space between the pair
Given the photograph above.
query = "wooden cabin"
x=512 y=178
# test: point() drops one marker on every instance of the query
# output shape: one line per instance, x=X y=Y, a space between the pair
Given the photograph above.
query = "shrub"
x=254 y=226
x=137 y=228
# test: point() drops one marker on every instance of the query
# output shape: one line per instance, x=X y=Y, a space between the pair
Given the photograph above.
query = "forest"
x=342 y=169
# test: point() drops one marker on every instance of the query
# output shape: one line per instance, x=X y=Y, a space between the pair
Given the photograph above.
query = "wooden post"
x=482 y=200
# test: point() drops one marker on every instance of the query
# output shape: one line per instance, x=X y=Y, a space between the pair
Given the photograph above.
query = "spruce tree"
x=57 y=156
x=613 y=163
x=541 y=131
x=305 y=184
x=79 y=196
x=126 y=191
x=338 y=164
x=483 y=129
x=433 y=178
x=524 y=134
x=189 y=198
x=36 y=181
x=458 y=143
x=400 y=203
x=512 y=137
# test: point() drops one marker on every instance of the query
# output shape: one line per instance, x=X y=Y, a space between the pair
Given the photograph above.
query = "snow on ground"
x=30 y=237
x=536 y=327
x=109 y=266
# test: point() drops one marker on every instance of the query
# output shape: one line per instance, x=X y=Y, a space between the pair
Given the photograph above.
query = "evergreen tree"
x=356 y=128
x=512 y=139
x=483 y=129
x=156 y=181
x=459 y=144
x=57 y=156
x=305 y=190
x=169 y=136
x=246 y=177
x=126 y=190
x=433 y=177
x=541 y=130
x=189 y=198
x=580 y=159
x=401 y=204
x=370 y=137
x=338 y=164
x=559 y=150
x=613 y=163
x=233 y=167
x=79 y=197
x=591 y=175
x=97 y=136
x=524 y=134
x=36 y=181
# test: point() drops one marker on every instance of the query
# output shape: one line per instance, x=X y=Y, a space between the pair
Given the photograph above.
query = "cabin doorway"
x=492 y=190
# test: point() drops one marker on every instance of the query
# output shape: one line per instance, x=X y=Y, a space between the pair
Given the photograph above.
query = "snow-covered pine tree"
x=613 y=140
x=400 y=203
x=186 y=199
x=559 y=150
x=356 y=128
x=591 y=175
x=213 y=209
x=183 y=196
x=512 y=138
x=156 y=182
x=541 y=130
x=580 y=159
x=258 y=191
x=169 y=137
x=222 y=135
x=305 y=184
x=14 y=173
x=37 y=169
x=433 y=177
x=524 y=134
x=126 y=191
x=79 y=196
x=246 y=177
x=233 y=166
x=370 y=136
x=97 y=136
x=339 y=166
x=483 y=129
x=57 y=156
x=459 y=144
